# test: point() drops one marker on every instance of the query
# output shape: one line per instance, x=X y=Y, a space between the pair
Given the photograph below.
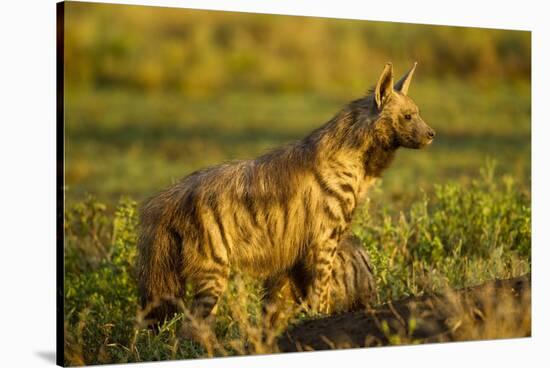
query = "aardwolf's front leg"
x=319 y=294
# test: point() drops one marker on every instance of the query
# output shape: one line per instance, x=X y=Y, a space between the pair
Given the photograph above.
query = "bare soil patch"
x=495 y=309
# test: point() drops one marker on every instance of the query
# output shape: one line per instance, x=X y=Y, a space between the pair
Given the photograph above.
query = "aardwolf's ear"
x=384 y=87
x=402 y=85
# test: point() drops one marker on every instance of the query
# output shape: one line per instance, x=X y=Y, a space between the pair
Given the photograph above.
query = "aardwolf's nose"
x=431 y=134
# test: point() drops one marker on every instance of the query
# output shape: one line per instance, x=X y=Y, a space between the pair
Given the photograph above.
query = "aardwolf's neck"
x=377 y=158
x=357 y=147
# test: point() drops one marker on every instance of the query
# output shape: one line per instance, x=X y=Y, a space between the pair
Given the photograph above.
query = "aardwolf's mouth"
x=425 y=143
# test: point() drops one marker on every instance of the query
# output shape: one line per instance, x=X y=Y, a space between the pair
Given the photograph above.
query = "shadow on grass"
x=152 y=136
x=128 y=135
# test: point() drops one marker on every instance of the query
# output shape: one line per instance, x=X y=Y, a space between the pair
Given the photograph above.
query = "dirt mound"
x=496 y=309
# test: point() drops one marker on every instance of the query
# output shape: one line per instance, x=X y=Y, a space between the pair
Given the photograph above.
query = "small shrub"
x=462 y=235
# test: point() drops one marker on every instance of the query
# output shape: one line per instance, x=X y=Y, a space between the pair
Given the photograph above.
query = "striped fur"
x=281 y=214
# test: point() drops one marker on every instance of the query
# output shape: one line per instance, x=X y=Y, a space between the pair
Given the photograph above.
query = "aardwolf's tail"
x=159 y=279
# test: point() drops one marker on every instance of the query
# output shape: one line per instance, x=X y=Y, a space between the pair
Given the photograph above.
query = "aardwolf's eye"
x=408 y=116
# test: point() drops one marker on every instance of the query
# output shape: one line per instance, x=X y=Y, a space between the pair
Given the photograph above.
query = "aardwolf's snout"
x=431 y=134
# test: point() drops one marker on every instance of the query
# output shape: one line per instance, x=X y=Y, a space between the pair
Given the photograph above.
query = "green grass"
x=459 y=235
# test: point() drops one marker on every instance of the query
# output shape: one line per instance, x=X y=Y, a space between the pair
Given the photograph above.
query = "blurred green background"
x=155 y=93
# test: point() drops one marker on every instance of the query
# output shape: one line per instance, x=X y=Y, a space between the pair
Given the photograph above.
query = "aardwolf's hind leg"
x=209 y=286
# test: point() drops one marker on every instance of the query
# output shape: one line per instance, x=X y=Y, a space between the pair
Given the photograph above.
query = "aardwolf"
x=279 y=216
